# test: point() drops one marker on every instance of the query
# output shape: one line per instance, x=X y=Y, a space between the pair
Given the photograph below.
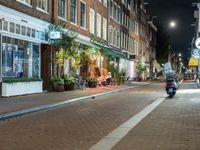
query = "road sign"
x=197 y=43
x=195 y=53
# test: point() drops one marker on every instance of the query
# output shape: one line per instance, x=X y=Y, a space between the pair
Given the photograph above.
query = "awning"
x=86 y=42
x=193 y=62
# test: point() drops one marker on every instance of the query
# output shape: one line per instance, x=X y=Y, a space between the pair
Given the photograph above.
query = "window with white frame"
x=73 y=11
x=115 y=37
x=104 y=28
x=118 y=14
x=25 y=1
x=83 y=15
x=92 y=17
x=115 y=11
x=98 y=25
x=111 y=8
x=62 y=9
x=42 y=4
x=111 y=35
x=118 y=38
x=105 y=2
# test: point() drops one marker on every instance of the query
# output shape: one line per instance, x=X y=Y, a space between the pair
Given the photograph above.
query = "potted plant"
x=92 y=82
x=69 y=82
x=57 y=84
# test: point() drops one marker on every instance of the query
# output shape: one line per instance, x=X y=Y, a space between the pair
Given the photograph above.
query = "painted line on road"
x=180 y=82
x=14 y=114
x=117 y=134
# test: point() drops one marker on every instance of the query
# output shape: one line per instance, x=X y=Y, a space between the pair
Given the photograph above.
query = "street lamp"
x=172 y=24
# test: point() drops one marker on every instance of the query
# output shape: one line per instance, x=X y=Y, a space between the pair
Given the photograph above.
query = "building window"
x=104 y=28
x=62 y=9
x=74 y=11
x=118 y=14
x=111 y=35
x=42 y=4
x=20 y=58
x=12 y=27
x=28 y=2
x=115 y=11
x=33 y=33
x=105 y=2
x=98 y=25
x=0 y=24
x=23 y=31
x=83 y=15
x=28 y=32
x=92 y=17
x=17 y=29
x=5 y=25
x=111 y=9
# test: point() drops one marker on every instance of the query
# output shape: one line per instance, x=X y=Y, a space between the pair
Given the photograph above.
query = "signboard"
x=55 y=35
x=193 y=62
x=197 y=43
x=195 y=53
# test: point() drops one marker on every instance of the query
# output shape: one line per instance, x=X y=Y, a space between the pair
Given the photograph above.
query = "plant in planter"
x=140 y=70
x=92 y=82
x=70 y=82
x=57 y=84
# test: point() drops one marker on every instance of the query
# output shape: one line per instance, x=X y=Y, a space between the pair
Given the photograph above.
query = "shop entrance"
x=46 y=66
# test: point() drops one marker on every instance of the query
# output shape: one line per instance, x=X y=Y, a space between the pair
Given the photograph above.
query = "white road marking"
x=117 y=134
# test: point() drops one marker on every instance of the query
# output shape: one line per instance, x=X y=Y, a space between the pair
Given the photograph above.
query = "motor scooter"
x=171 y=86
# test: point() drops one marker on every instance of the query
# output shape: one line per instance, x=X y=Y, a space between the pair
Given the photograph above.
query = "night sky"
x=183 y=13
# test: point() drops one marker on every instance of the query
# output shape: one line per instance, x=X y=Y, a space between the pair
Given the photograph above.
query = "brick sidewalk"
x=28 y=101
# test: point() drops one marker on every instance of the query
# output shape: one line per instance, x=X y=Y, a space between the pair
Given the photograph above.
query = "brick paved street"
x=173 y=125
x=76 y=126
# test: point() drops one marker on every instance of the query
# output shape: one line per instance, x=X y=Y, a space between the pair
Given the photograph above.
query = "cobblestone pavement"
x=28 y=101
x=174 y=125
x=76 y=126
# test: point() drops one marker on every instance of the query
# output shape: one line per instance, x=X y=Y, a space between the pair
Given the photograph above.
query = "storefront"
x=20 y=55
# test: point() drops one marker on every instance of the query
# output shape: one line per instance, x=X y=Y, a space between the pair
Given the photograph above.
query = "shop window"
x=17 y=29
x=5 y=25
x=0 y=24
x=41 y=35
x=12 y=27
x=28 y=32
x=36 y=61
x=37 y=34
x=33 y=33
x=20 y=58
x=23 y=31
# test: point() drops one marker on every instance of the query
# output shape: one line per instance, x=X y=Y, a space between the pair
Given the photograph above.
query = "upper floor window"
x=74 y=11
x=25 y=1
x=42 y=4
x=92 y=20
x=105 y=2
x=62 y=9
x=83 y=15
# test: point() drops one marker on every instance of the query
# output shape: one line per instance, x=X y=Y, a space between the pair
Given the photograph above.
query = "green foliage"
x=23 y=79
x=56 y=80
x=140 y=69
x=119 y=75
x=92 y=79
x=69 y=79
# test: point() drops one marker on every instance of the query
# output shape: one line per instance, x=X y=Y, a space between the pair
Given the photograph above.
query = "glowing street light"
x=172 y=24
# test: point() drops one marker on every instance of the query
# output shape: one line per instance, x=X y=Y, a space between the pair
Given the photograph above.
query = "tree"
x=62 y=48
